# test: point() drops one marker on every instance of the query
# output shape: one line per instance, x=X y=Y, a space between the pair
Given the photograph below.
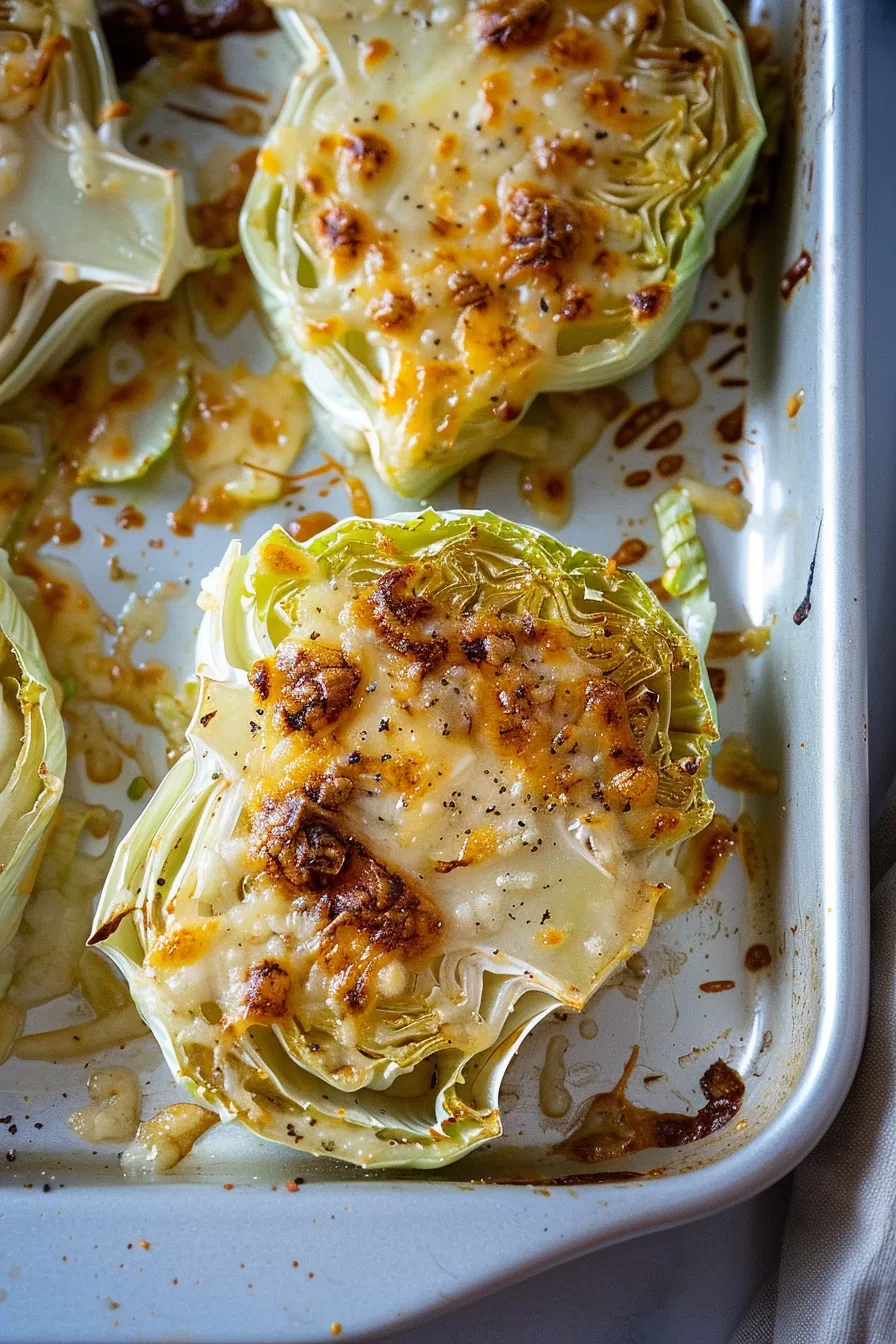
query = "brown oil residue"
x=665 y=437
x=615 y=1127
x=307 y=525
x=718 y=678
x=215 y=223
x=795 y=402
x=703 y=857
x=731 y=643
x=548 y=491
x=358 y=496
x=241 y=435
x=71 y=628
x=670 y=464
x=130 y=517
x=730 y=427
x=639 y=421
x=735 y=486
x=796 y=272
x=629 y=552
x=716 y=986
x=757 y=957
x=468 y=481
x=635 y=479
x=223 y=297
x=725 y=359
x=611 y=401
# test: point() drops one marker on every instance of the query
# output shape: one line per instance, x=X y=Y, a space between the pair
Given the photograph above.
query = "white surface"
x=691 y=1285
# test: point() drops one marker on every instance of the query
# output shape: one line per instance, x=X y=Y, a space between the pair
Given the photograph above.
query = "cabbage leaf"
x=88 y=226
x=32 y=762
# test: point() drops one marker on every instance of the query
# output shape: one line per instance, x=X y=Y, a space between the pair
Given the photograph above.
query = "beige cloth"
x=836 y=1282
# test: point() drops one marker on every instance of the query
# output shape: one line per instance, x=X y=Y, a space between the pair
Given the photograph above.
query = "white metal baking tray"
x=222 y=1250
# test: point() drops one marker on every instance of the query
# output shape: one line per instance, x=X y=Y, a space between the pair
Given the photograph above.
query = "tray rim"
x=584 y=1218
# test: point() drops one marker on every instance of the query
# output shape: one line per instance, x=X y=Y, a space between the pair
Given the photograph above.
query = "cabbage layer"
x=462 y=205
x=434 y=772
x=86 y=226
x=32 y=763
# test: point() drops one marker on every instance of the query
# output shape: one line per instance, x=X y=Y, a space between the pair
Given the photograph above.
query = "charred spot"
x=578 y=304
x=393 y=312
x=314 y=686
x=365 y=908
x=329 y=791
x=396 y=611
x=542 y=230
x=473 y=649
x=367 y=154
x=467 y=290
x=260 y=679
x=494 y=647
x=342 y=231
x=692 y=56
x=382 y=906
x=513 y=26
x=648 y=303
x=288 y=835
x=106 y=930
x=267 y=992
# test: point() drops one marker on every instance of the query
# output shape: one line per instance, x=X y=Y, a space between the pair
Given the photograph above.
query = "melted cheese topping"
x=489 y=187
x=406 y=814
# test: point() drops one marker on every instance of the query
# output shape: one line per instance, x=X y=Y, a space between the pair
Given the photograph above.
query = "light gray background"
x=692 y=1285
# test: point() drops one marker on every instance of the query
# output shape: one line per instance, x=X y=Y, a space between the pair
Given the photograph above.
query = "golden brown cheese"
x=461 y=224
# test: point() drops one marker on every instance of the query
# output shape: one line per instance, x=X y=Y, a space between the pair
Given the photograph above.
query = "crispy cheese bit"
x=344 y=233
x=397 y=614
x=368 y=155
x=310 y=685
x=366 y=911
x=395 y=311
x=649 y=303
x=512 y=26
x=468 y=290
x=629 y=779
x=541 y=229
x=266 y=997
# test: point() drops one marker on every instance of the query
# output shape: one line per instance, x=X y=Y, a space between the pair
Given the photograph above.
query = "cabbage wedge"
x=463 y=205
x=435 y=769
x=87 y=227
x=32 y=763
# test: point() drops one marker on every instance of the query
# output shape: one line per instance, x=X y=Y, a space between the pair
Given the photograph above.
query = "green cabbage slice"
x=435 y=768
x=87 y=226
x=32 y=762
x=453 y=214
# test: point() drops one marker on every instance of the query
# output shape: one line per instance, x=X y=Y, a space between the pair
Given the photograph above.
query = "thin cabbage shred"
x=687 y=575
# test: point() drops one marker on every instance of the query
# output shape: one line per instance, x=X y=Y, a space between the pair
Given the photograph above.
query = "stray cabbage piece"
x=435 y=770
x=113 y=1112
x=166 y=1138
x=32 y=763
x=87 y=227
x=451 y=216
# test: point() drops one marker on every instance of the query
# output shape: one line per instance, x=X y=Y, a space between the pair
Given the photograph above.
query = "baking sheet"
x=792 y=1031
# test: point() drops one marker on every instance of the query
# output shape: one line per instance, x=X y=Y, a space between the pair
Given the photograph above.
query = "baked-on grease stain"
x=614 y=1127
